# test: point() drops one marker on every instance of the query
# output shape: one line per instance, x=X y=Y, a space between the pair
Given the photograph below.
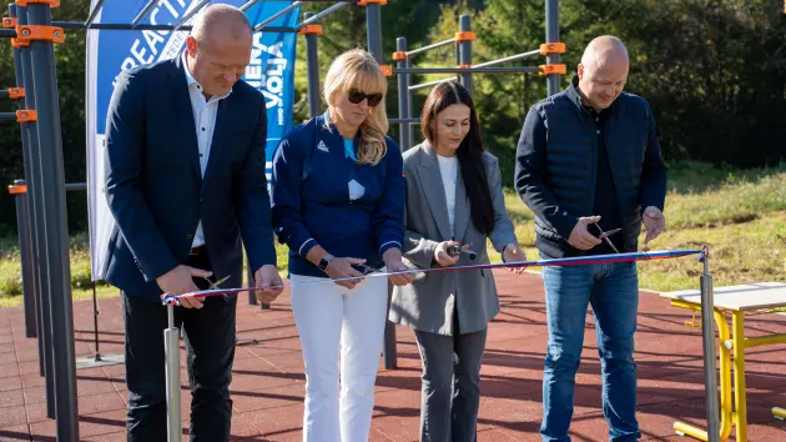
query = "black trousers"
x=209 y=335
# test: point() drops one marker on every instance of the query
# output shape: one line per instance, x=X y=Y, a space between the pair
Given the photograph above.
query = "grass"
x=740 y=215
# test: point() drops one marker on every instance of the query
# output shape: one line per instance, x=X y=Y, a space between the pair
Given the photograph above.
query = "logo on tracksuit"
x=322 y=146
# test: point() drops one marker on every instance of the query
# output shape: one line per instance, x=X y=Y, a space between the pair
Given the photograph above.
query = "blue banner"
x=271 y=71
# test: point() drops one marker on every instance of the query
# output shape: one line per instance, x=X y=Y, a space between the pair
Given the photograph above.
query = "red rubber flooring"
x=268 y=388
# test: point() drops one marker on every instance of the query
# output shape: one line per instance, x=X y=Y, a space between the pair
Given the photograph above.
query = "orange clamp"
x=16 y=92
x=311 y=29
x=399 y=55
x=386 y=70
x=464 y=66
x=26 y=116
x=552 y=48
x=52 y=3
x=9 y=22
x=17 y=189
x=553 y=69
x=465 y=36
x=372 y=2
x=16 y=44
x=28 y=33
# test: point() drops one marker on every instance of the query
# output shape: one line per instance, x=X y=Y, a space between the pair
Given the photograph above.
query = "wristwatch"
x=325 y=262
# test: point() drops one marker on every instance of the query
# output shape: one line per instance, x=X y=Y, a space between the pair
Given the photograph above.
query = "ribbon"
x=169 y=298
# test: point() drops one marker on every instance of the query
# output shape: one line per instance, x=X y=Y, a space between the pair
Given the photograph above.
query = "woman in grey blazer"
x=454 y=200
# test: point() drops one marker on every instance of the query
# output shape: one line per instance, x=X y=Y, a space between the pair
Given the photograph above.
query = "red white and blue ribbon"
x=169 y=298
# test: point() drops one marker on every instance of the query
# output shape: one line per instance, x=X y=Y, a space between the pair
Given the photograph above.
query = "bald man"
x=185 y=181
x=589 y=162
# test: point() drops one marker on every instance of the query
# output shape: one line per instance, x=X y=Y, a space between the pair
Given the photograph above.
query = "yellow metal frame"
x=736 y=343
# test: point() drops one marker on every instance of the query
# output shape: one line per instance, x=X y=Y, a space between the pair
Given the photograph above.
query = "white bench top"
x=739 y=297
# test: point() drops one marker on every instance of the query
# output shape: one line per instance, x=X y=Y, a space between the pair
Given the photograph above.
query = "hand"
x=340 y=268
x=513 y=253
x=180 y=280
x=654 y=221
x=580 y=238
x=441 y=255
x=393 y=262
x=269 y=283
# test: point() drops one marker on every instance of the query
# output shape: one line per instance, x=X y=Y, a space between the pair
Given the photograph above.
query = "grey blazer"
x=428 y=303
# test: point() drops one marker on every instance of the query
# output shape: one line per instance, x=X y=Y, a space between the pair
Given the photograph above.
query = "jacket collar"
x=573 y=93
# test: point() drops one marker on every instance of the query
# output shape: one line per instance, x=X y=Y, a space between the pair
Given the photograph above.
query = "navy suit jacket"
x=155 y=188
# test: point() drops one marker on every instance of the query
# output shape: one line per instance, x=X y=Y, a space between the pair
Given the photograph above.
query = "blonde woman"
x=338 y=203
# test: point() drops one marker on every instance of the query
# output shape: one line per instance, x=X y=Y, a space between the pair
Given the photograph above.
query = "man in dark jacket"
x=589 y=161
x=186 y=182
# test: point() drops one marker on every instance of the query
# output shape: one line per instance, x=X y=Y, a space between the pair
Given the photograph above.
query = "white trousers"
x=341 y=331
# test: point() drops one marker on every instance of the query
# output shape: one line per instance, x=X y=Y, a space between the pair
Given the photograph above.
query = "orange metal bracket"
x=553 y=69
x=16 y=44
x=16 y=92
x=26 y=116
x=464 y=66
x=387 y=70
x=465 y=36
x=17 y=189
x=552 y=48
x=311 y=29
x=399 y=55
x=9 y=22
x=372 y=2
x=28 y=33
x=52 y=3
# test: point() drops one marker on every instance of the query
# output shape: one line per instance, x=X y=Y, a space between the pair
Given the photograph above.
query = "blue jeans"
x=612 y=290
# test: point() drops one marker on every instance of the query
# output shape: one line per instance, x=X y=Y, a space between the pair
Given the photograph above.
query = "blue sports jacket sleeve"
x=388 y=217
x=530 y=179
x=254 y=207
x=287 y=186
x=125 y=135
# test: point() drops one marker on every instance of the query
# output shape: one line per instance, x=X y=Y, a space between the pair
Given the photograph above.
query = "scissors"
x=605 y=236
x=215 y=285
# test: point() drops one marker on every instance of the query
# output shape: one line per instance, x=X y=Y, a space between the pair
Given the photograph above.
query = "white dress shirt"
x=205 y=112
x=448 y=168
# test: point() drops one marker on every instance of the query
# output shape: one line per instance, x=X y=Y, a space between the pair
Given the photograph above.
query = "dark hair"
x=470 y=152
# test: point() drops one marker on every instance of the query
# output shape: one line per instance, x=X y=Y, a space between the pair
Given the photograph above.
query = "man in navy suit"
x=186 y=182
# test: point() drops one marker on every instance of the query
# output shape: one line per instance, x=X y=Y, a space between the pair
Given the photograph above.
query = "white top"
x=740 y=297
x=205 y=112
x=448 y=168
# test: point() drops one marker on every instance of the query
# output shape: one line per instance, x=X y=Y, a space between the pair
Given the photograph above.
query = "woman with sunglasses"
x=338 y=203
x=454 y=204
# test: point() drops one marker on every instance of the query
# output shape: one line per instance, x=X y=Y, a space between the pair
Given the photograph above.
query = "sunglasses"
x=357 y=97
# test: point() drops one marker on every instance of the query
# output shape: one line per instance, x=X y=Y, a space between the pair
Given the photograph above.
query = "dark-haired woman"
x=454 y=200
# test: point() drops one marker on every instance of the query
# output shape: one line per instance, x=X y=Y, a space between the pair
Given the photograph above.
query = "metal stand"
x=172 y=367
x=708 y=337
x=98 y=360
x=552 y=35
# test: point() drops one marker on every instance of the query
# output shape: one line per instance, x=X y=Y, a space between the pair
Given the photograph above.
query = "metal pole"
x=26 y=239
x=403 y=97
x=94 y=13
x=312 y=71
x=708 y=337
x=429 y=83
x=432 y=46
x=143 y=13
x=552 y=35
x=25 y=256
x=534 y=53
x=465 y=52
x=374 y=32
x=95 y=319
x=56 y=257
x=38 y=223
x=194 y=11
x=172 y=373
x=278 y=14
x=468 y=71
x=410 y=98
x=326 y=12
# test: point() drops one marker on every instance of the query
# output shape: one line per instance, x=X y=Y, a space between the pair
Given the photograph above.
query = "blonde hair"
x=357 y=69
